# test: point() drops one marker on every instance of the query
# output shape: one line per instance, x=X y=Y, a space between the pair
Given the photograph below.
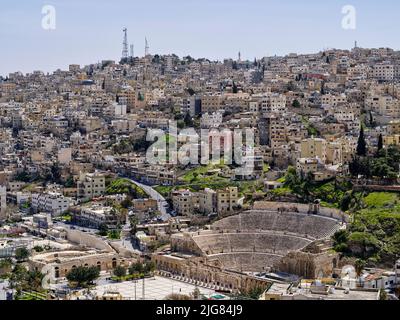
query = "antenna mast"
x=125 y=44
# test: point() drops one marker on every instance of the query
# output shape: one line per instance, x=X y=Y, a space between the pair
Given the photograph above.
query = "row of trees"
x=21 y=279
x=85 y=276
x=137 y=269
x=385 y=163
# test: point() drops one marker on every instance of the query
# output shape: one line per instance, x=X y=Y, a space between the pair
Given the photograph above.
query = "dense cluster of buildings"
x=66 y=136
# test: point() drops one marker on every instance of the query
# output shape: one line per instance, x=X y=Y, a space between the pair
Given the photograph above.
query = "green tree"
x=103 y=230
x=234 y=88
x=180 y=124
x=134 y=221
x=114 y=234
x=120 y=271
x=345 y=202
x=83 y=276
x=191 y=91
x=361 y=144
x=38 y=249
x=5 y=263
x=359 y=267
x=380 y=143
x=69 y=183
x=21 y=254
x=149 y=267
x=136 y=268
x=55 y=173
x=383 y=295
x=23 y=176
x=188 y=120
x=22 y=279
x=296 y=104
x=126 y=203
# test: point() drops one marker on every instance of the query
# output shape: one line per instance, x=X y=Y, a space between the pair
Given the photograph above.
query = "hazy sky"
x=88 y=31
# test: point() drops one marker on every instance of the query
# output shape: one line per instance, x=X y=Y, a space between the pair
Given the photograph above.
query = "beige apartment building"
x=307 y=165
x=314 y=148
x=184 y=202
x=211 y=103
x=277 y=132
x=207 y=201
x=91 y=185
x=3 y=201
x=334 y=153
x=383 y=104
x=391 y=140
x=128 y=97
x=98 y=215
x=383 y=72
x=393 y=127
x=227 y=200
x=333 y=100
x=275 y=103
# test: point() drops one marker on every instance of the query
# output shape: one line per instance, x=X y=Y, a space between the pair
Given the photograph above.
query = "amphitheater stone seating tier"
x=247 y=262
x=263 y=242
x=309 y=225
x=255 y=240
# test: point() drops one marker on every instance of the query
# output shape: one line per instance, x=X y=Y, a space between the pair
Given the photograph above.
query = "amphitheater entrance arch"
x=114 y=263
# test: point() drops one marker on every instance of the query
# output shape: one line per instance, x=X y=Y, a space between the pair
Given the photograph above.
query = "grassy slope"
x=121 y=186
x=376 y=228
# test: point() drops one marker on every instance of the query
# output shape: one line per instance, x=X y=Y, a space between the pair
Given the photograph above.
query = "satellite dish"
x=349 y=270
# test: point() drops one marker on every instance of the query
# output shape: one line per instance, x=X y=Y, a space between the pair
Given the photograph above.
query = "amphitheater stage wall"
x=184 y=243
x=197 y=271
x=307 y=265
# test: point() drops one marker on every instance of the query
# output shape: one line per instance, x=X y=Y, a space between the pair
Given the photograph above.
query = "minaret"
x=146 y=47
x=239 y=57
x=132 y=51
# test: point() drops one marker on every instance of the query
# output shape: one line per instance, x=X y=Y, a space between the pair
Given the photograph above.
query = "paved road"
x=75 y=227
x=162 y=203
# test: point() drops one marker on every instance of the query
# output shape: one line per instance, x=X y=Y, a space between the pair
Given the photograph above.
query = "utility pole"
x=135 y=281
x=143 y=295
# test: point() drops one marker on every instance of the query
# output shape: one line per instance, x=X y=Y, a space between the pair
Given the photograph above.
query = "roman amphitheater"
x=263 y=238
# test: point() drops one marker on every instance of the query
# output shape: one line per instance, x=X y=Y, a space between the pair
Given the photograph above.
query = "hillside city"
x=96 y=206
